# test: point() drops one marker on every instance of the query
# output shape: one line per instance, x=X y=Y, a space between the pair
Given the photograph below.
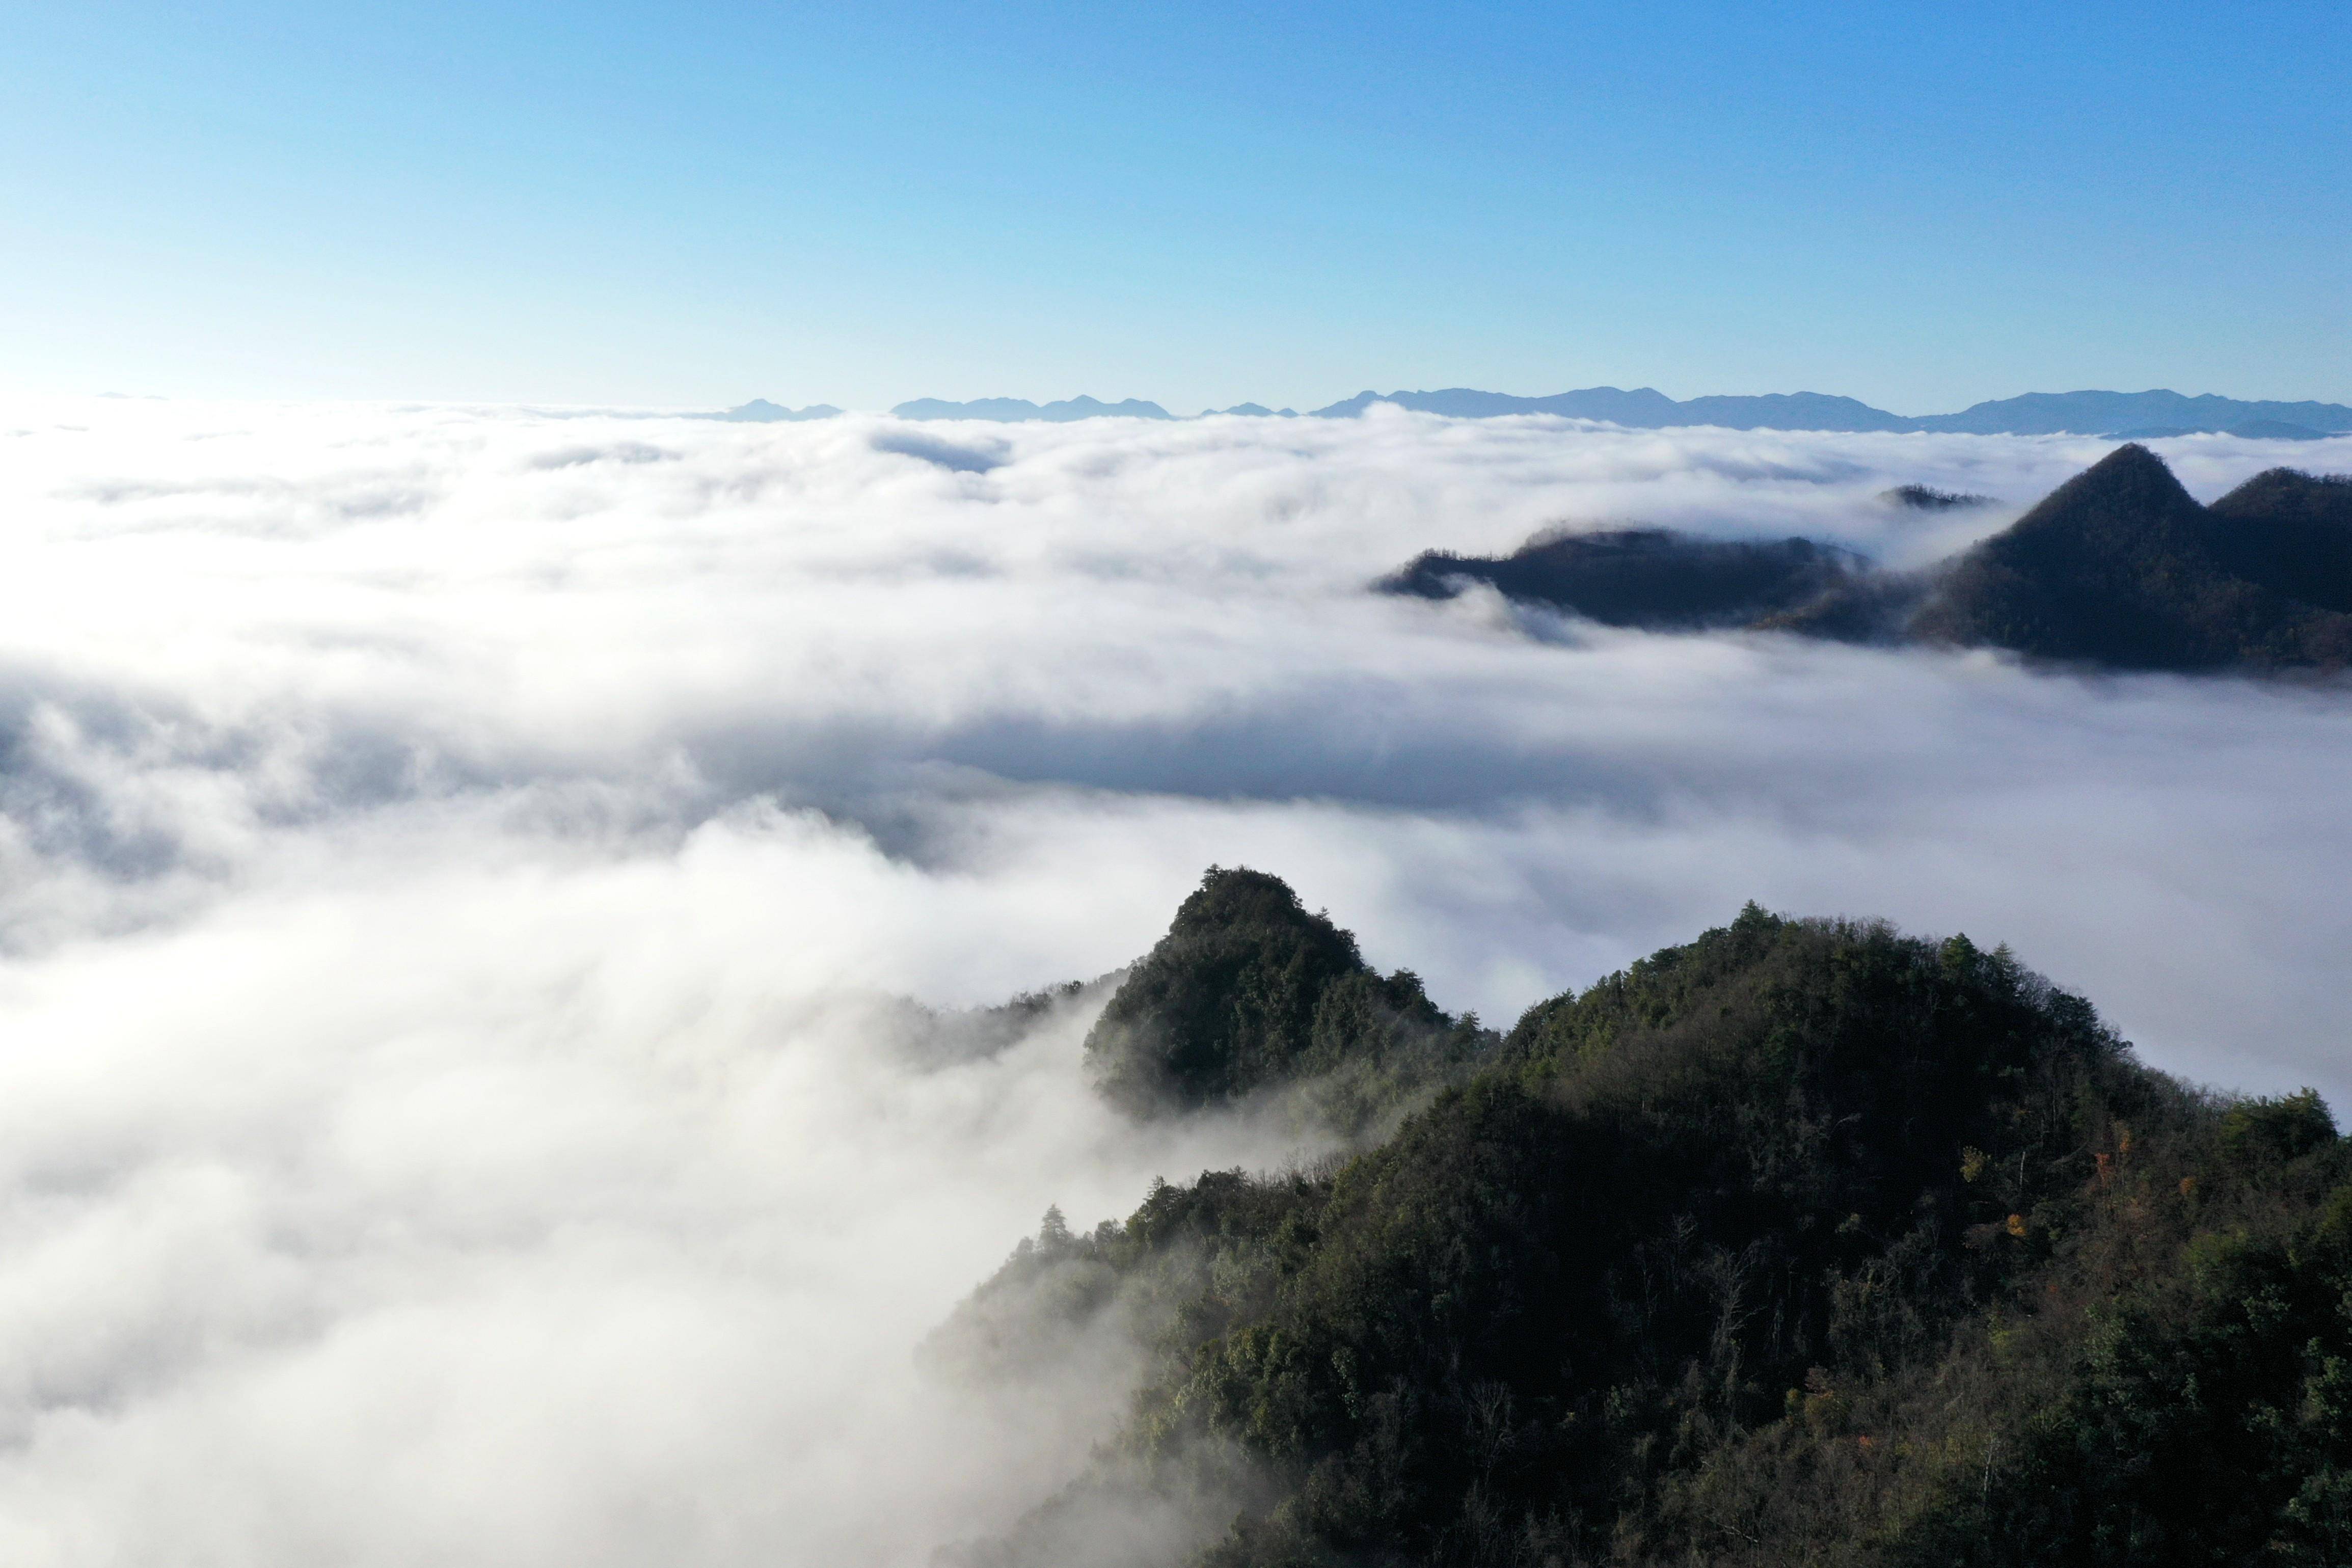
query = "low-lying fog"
x=461 y=866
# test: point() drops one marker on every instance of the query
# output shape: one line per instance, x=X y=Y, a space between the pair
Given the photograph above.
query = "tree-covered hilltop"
x=2118 y=567
x=1248 y=991
x=1803 y=1242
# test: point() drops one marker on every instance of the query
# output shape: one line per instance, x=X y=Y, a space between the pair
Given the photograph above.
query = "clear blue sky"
x=1917 y=204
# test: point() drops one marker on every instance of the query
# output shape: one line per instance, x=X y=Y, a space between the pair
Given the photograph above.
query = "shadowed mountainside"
x=1803 y=1243
x=1647 y=577
x=2118 y=567
x=2290 y=533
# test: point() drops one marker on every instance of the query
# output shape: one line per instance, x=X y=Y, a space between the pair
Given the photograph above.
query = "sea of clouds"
x=463 y=873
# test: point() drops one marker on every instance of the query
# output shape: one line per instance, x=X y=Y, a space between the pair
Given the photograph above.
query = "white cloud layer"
x=458 y=865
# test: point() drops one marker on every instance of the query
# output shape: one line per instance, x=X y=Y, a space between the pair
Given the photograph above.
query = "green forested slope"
x=1806 y=1242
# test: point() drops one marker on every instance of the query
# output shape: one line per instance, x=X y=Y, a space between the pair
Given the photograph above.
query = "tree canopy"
x=1806 y=1241
x=1248 y=991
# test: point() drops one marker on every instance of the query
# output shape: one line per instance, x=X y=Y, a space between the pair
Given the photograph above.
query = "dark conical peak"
x=2122 y=502
x=2130 y=489
x=2130 y=455
x=2088 y=574
x=2129 y=464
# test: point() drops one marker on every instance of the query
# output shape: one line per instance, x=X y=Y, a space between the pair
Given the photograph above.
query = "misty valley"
x=510 y=915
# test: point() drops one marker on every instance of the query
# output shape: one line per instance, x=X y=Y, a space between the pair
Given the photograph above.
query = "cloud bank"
x=465 y=873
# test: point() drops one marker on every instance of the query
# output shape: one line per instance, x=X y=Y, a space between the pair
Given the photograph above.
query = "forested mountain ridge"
x=2117 y=567
x=2120 y=565
x=1649 y=577
x=1803 y=1242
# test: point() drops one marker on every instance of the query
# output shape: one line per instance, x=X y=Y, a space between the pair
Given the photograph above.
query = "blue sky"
x=1919 y=206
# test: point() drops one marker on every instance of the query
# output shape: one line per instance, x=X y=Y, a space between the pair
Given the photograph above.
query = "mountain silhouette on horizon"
x=2031 y=414
x=1643 y=408
x=759 y=411
x=1015 y=410
x=2156 y=415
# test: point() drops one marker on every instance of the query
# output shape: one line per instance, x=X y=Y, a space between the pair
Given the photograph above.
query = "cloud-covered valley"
x=467 y=871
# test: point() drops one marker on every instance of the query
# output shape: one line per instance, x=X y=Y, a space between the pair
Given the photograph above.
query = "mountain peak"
x=2131 y=480
x=2131 y=454
x=2120 y=566
x=1249 y=992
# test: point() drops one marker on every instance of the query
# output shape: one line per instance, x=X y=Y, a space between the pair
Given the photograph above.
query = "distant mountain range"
x=759 y=411
x=2128 y=416
x=1016 y=410
x=2034 y=414
x=2118 y=567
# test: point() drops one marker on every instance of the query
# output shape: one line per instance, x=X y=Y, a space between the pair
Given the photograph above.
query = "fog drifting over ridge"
x=460 y=863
